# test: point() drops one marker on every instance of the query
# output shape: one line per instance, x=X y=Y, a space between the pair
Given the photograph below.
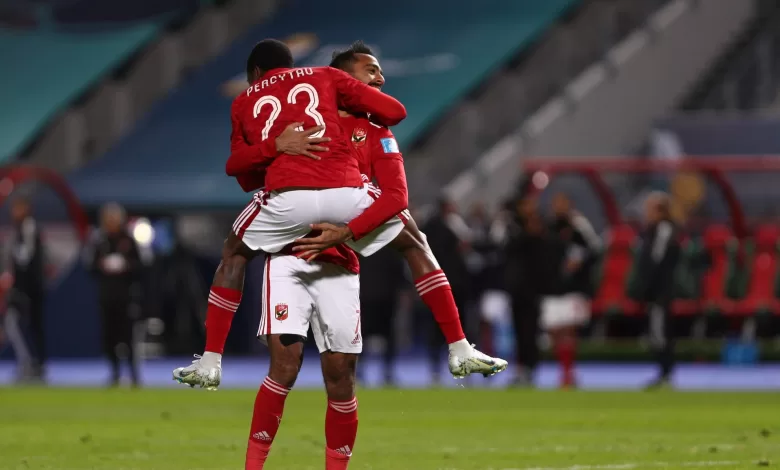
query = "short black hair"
x=269 y=54
x=343 y=60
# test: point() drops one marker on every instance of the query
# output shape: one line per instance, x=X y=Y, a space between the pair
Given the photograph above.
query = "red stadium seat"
x=611 y=293
x=714 y=298
x=762 y=269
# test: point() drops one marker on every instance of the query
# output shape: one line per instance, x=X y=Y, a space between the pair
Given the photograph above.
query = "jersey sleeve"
x=356 y=96
x=243 y=156
x=388 y=168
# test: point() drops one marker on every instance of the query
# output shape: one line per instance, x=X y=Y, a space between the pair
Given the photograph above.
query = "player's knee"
x=341 y=389
x=234 y=249
x=232 y=266
x=339 y=376
x=285 y=370
x=286 y=359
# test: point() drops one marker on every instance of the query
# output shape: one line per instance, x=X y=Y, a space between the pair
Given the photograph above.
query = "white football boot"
x=205 y=371
x=465 y=359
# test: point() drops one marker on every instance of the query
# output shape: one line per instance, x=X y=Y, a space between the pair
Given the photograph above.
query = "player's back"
x=308 y=95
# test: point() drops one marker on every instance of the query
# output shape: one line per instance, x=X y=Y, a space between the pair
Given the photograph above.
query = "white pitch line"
x=635 y=465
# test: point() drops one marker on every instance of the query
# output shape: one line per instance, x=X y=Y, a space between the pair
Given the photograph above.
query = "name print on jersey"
x=289 y=75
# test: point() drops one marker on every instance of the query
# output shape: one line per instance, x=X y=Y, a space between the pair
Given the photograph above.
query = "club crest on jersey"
x=281 y=312
x=359 y=137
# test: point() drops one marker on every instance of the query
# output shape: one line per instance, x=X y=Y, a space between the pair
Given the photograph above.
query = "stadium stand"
x=114 y=61
x=33 y=95
x=180 y=148
x=634 y=73
x=744 y=77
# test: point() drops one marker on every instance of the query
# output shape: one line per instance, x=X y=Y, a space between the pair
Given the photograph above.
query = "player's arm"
x=356 y=96
x=388 y=167
x=245 y=157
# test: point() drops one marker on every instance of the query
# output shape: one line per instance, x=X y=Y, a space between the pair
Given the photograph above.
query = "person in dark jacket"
x=657 y=264
x=575 y=247
x=114 y=258
x=25 y=260
x=525 y=258
x=381 y=280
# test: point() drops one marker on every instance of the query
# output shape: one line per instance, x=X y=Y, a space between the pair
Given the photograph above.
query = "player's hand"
x=330 y=235
x=294 y=142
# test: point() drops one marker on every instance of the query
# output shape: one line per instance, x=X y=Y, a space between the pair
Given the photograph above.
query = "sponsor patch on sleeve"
x=389 y=145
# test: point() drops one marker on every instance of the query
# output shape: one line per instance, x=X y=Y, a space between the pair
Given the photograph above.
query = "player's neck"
x=343 y=113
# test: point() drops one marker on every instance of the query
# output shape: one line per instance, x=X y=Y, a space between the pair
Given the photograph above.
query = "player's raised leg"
x=434 y=289
x=286 y=359
x=224 y=299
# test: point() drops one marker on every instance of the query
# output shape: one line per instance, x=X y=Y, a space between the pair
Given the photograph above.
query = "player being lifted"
x=298 y=191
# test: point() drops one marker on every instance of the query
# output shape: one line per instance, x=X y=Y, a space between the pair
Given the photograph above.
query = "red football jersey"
x=379 y=159
x=313 y=96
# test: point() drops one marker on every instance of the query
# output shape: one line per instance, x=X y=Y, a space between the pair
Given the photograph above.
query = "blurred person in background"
x=11 y=333
x=525 y=258
x=657 y=265
x=450 y=238
x=114 y=258
x=382 y=278
x=495 y=302
x=25 y=266
x=484 y=266
x=575 y=247
x=479 y=223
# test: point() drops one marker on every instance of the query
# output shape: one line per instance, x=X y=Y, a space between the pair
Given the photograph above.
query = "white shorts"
x=273 y=220
x=326 y=296
x=565 y=311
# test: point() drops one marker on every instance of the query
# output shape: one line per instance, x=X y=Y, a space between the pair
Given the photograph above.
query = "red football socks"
x=223 y=303
x=435 y=291
x=565 y=350
x=341 y=425
x=266 y=418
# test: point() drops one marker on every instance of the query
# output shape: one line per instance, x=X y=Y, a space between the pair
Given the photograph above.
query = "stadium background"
x=603 y=99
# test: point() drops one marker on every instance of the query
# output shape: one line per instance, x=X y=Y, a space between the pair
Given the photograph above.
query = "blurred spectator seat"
x=721 y=248
x=760 y=273
x=616 y=265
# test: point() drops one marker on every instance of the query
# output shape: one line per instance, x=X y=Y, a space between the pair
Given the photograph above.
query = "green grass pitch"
x=399 y=430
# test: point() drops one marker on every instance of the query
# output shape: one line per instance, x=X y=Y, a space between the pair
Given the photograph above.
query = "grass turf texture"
x=399 y=429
